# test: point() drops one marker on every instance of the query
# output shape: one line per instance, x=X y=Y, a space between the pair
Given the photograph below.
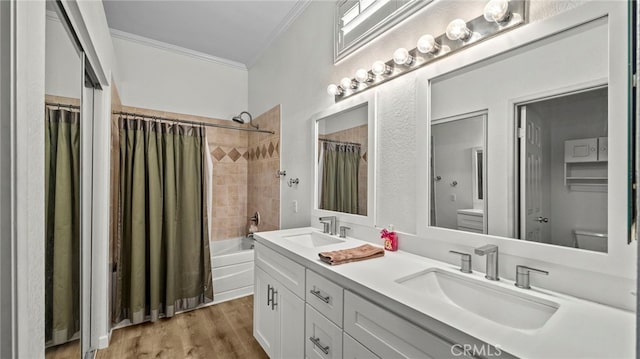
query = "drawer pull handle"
x=316 y=342
x=317 y=294
x=269 y=295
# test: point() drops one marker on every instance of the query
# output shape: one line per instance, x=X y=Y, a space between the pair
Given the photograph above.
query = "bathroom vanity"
x=404 y=305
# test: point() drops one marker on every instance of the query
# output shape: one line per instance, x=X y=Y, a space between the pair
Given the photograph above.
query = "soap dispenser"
x=390 y=238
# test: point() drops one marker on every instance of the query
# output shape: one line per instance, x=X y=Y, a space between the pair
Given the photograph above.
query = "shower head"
x=239 y=119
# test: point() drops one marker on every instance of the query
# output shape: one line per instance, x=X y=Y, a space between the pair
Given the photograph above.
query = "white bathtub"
x=232 y=266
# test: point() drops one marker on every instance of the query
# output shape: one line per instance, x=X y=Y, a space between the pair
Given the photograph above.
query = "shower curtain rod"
x=54 y=104
x=191 y=122
x=339 y=142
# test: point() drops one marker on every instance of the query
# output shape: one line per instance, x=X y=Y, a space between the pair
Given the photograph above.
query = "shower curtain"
x=163 y=246
x=340 y=163
x=62 y=223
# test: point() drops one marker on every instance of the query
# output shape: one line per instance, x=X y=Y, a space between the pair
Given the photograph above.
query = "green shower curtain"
x=340 y=167
x=164 y=264
x=62 y=223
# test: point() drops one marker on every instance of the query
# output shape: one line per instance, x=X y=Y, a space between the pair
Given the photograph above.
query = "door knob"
x=543 y=219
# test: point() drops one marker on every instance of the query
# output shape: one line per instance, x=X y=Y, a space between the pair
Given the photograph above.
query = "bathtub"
x=232 y=267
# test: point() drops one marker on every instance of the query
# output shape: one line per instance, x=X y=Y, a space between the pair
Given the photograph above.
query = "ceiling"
x=236 y=30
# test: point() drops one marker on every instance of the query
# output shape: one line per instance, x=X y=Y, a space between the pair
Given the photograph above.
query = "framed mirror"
x=344 y=164
x=64 y=79
x=457 y=173
x=555 y=97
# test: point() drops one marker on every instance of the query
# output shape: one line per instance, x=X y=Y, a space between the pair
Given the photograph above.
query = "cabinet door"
x=582 y=150
x=264 y=317
x=323 y=339
x=603 y=148
x=351 y=349
x=290 y=311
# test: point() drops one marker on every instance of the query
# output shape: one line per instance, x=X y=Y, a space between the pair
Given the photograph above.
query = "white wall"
x=453 y=142
x=295 y=72
x=343 y=120
x=166 y=80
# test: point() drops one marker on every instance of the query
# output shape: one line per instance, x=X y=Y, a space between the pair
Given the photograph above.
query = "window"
x=359 y=21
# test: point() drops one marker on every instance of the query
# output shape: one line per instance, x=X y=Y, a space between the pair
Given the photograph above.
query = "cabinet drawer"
x=351 y=349
x=388 y=335
x=325 y=296
x=284 y=270
x=473 y=222
x=323 y=339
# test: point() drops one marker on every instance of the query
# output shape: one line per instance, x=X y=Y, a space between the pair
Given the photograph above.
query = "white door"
x=533 y=213
x=264 y=315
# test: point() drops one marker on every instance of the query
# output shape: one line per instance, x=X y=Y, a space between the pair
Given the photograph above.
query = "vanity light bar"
x=499 y=16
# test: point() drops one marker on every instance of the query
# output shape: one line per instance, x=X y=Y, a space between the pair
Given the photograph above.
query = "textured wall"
x=264 y=162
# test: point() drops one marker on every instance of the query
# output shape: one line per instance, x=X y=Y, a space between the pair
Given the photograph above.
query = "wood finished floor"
x=64 y=351
x=219 y=331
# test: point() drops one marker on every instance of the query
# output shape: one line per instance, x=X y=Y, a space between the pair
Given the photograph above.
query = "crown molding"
x=176 y=49
x=291 y=16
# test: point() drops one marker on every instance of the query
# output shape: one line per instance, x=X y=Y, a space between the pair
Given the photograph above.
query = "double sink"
x=510 y=307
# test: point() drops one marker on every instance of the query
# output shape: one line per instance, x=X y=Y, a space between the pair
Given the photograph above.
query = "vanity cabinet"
x=388 y=335
x=351 y=349
x=278 y=311
x=585 y=163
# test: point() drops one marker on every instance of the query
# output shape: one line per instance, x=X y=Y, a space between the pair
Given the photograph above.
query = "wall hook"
x=281 y=173
x=293 y=181
x=454 y=183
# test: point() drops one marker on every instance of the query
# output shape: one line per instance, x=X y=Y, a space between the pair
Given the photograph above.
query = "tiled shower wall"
x=264 y=163
x=230 y=151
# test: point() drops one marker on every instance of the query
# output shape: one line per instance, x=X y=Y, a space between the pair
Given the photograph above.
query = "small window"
x=359 y=21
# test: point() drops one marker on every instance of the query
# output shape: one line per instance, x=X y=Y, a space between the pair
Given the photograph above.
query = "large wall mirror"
x=345 y=158
x=558 y=183
x=62 y=122
x=540 y=120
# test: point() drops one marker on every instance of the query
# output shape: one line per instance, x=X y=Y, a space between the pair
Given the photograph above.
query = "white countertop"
x=578 y=329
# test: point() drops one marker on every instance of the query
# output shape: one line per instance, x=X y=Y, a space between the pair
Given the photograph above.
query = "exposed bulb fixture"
x=380 y=68
x=427 y=44
x=363 y=76
x=347 y=83
x=497 y=11
x=334 y=90
x=402 y=57
x=458 y=30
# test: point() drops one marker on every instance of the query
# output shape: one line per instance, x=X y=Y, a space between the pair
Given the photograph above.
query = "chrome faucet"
x=522 y=275
x=343 y=231
x=491 y=251
x=330 y=226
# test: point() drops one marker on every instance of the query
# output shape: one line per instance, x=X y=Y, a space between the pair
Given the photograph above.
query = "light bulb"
x=427 y=44
x=402 y=57
x=363 y=75
x=334 y=90
x=380 y=68
x=458 y=30
x=347 y=83
x=497 y=11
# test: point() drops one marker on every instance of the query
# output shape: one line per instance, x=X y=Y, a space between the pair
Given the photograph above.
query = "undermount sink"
x=501 y=305
x=313 y=239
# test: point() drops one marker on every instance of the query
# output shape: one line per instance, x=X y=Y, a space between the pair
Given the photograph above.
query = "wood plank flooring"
x=219 y=331
x=64 y=351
